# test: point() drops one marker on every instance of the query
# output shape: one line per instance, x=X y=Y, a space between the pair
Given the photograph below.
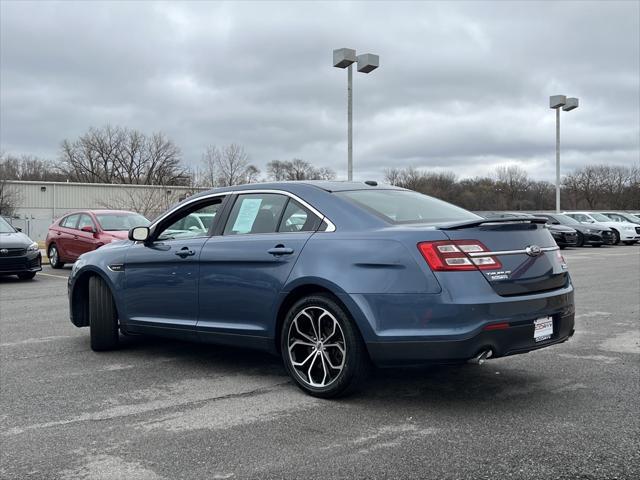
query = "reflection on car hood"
x=118 y=234
x=14 y=240
x=560 y=228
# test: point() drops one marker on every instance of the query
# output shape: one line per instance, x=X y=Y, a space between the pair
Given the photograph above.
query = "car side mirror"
x=139 y=234
x=88 y=229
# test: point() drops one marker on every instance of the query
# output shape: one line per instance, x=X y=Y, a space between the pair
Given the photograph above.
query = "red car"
x=78 y=232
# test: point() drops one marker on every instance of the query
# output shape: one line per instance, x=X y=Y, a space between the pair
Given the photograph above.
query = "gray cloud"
x=462 y=86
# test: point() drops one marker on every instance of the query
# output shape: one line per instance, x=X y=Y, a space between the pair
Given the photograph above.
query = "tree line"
x=592 y=187
x=128 y=156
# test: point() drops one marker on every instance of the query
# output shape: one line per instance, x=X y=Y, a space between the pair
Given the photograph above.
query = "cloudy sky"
x=461 y=86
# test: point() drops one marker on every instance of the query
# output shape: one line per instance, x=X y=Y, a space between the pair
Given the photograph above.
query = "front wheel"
x=103 y=318
x=322 y=348
x=616 y=237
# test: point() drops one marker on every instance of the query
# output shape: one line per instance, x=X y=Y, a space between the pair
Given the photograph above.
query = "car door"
x=244 y=268
x=161 y=275
x=85 y=241
x=65 y=236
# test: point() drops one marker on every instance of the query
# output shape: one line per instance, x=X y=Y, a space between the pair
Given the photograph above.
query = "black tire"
x=616 y=237
x=562 y=247
x=580 y=240
x=596 y=245
x=26 y=275
x=356 y=362
x=628 y=243
x=103 y=318
x=54 y=256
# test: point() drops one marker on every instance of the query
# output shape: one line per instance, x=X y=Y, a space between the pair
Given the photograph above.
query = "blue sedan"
x=333 y=276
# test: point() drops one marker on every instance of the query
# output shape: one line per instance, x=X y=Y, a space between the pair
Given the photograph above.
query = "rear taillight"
x=451 y=255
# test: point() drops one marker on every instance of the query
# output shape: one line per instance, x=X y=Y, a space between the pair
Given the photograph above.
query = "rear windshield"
x=403 y=206
x=121 y=221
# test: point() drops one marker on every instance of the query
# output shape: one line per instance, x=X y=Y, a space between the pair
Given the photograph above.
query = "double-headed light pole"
x=567 y=104
x=368 y=62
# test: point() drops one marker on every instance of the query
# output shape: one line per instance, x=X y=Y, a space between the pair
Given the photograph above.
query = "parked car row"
x=68 y=237
x=577 y=229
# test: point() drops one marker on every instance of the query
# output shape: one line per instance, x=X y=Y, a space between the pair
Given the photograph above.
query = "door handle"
x=280 y=250
x=185 y=252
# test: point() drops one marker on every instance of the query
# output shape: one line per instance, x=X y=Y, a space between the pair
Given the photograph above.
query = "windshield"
x=5 y=227
x=403 y=206
x=121 y=221
x=567 y=219
x=600 y=217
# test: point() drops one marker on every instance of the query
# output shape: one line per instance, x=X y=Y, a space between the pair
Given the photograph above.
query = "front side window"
x=193 y=222
x=70 y=222
x=404 y=206
x=255 y=213
x=85 y=221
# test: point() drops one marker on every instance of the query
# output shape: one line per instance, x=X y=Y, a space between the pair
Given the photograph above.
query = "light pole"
x=567 y=104
x=345 y=58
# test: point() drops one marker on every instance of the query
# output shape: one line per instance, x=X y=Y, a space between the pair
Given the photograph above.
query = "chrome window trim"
x=330 y=225
x=510 y=252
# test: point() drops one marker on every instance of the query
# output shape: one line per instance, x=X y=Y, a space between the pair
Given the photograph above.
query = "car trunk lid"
x=529 y=259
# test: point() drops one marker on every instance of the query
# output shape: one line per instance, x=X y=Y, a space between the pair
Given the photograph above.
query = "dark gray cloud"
x=461 y=86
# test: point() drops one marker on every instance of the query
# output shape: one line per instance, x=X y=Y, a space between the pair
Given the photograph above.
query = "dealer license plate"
x=542 y=329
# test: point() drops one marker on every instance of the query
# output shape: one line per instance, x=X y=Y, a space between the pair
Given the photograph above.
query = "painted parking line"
x=54 y=276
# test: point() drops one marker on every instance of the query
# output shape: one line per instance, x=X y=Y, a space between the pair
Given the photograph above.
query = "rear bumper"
x=517 y=338
x=31 y=262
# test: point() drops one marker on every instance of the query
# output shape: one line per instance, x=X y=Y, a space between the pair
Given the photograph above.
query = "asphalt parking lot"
x=159 y=409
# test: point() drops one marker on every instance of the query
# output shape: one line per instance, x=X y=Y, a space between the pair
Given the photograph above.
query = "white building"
x=40 y=203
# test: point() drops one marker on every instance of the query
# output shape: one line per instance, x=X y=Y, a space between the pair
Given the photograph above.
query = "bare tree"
x=121 y=155
x=226 y=166
x=8 y=196
x=513 y=184
x=297 y=169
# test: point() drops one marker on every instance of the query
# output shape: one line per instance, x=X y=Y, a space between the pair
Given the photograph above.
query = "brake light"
x=453 y=255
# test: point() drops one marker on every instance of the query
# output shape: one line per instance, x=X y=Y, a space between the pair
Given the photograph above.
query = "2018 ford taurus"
x=332 y=276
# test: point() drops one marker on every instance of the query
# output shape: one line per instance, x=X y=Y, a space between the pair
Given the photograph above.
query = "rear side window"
x=404 y=206
x=70 y=222
x=255 y=213
x=298 y=218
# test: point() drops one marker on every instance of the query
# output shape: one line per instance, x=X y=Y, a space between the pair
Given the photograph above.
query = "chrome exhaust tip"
x=481 y=357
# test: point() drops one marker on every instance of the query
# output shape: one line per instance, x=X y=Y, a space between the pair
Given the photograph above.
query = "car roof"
x=98 y=210
x=326 y=185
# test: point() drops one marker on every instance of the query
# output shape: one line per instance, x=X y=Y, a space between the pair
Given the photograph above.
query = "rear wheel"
x=103 y=318
x=322 y=348
x=26 y=275
x=580 y=242
x=54 y=257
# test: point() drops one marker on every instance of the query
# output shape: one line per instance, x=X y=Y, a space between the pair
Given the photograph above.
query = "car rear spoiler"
x=484 y=221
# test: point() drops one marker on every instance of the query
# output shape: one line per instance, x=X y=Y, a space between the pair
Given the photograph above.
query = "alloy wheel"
x=316 y=345
x=53 y=256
